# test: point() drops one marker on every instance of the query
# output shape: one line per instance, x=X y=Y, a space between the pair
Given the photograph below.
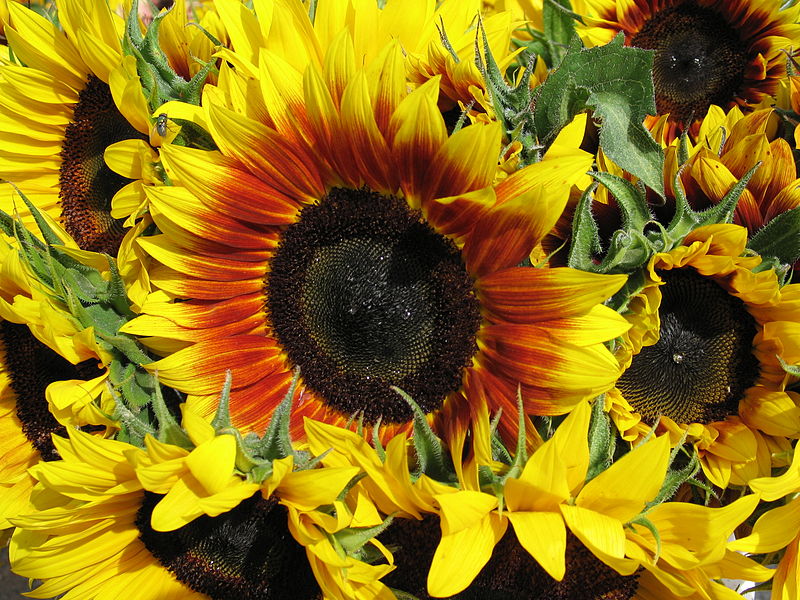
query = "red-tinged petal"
x=196 y=314
x=417 y=131
x=390 y=84
x=787 y=199
x=525 y=295
x=185 y=286
x=200 y=368
x=368 y=148
x=226 y=187
x=456 y=216
x=282 y=88
x=339 y=65
x=217 y=269
x=159 y=327
x=287 y=168
x=504 y=237
x=526 y=355
x=466 y=161
x=186 y=221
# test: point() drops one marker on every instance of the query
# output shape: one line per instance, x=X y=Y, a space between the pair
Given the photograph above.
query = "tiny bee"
x=161 y=124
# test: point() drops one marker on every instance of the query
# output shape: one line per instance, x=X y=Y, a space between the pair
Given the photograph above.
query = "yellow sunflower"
x=709 y=330
x=50 y=376
x=187 y=49
x=707 y=52
x=778 y=529
x=568 y=536
x=352 y=238
x=167 y=522
x=60 y=111
x=418 y=26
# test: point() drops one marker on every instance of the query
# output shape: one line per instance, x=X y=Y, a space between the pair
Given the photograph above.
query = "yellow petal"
x=313 y=488
x=544 y=536
x=461 y=556
x=622 y=490
x=464 y=509
x=601 y=534
x=773 y=530
x=212 y=462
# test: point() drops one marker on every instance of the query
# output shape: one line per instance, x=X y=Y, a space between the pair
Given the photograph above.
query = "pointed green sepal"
x=780 y=238
x=432 y=458
x=602 y=441
x=277 y=443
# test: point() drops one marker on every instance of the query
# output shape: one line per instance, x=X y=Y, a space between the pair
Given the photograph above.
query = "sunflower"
x=169 y=522
x=709 y=329
x=187 y=50
x=404 y=249
x=778 y=529
x=87 y=506
x=60 y=111
x=569 y=537
x=732 y=145
x=419 y=26
x=707 y=52
x=50 y=376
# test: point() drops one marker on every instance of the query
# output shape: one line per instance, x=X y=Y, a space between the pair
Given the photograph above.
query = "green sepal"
x=585 y=234
x=499 y=451
x=648 y=524
x=277 y=443
x=401 y=595
x=793 y=370
x=521 y=451
x=677 y=477
x=160 y=82
x=616 y=83
x=169 y=430
x=631 y=200
x=353 y=539
x=602 y=441
x=376 y=440
x=350 y=485
x=512 y=105
x=686 y=219
x=222 y=417
x=780 y=238
x=432 y=459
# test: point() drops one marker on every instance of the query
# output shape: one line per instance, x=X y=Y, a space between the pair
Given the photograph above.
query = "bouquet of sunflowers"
x=377 y=299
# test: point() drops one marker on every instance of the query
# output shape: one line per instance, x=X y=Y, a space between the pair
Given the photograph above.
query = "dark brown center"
x=699 y=60
x=246 y=553
x=703 y=362
x=363 y=294
x=86 y=183
x=32 y=366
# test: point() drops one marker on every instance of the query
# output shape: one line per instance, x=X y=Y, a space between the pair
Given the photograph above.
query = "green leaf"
x=616 y=83
x=559 y=27
x=780 y=237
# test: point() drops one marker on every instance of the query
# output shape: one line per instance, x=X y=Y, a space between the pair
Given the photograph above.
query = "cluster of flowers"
x=375 y=299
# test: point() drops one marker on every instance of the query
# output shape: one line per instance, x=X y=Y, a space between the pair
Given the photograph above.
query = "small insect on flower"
x=161 y=124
